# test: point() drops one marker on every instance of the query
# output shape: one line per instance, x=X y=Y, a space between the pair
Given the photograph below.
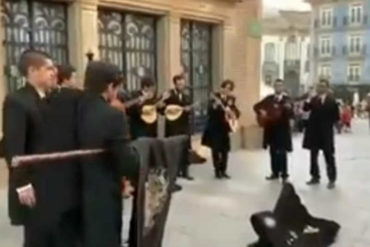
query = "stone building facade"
x=208 y=40
x=285 y=51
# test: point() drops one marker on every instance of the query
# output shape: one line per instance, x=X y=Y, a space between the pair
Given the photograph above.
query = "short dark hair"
x=65 y=72
x=325 y=81
x=99 y=75
x=228 y=82
x=279 y=80
x=147 y=82
x=30 y=58
x=177 y=78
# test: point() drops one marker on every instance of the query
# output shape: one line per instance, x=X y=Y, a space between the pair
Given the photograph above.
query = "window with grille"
x=356 y=14
x=270 y=52
x=325 y=71
x=355 y=44
x=325 y=46
x=129 y=41
x=354 y=72
x=196 y=55
x=33 y=24
x=326 y=17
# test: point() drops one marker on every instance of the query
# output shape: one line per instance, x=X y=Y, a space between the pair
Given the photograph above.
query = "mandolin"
x=149 y=113
x=174 y=112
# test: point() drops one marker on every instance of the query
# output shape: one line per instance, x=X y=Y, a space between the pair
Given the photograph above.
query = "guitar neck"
x=132 y=102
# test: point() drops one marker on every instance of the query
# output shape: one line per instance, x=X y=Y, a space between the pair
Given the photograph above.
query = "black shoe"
x=313 y=181
x=176 y=188
x=187 y=177
x=225 y=175
x=272 y=177
x=218 y=175
x=331 y=185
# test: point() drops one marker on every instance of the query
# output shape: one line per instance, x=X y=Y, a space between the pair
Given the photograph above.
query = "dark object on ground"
x=195 y=158
x=290 y=224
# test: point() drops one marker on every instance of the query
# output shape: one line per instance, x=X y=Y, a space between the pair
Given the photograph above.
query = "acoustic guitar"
x=230 y=116
x=273 y=114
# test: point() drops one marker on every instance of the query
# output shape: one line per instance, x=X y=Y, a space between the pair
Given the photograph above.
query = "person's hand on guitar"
x=288 y=105
x=116 y=103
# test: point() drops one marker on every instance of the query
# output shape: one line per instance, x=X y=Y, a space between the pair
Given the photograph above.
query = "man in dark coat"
x=138 y=127
x=42 y=197
x=217 y=131
x=319 y=133
x=277 y=132
x=102 y=126
x=180 y=126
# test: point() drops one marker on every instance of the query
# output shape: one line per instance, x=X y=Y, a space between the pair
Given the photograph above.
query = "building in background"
x=341 y=40
x=207 y=40
x=285 y=51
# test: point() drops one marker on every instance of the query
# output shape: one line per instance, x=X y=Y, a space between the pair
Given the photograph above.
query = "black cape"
x=290 y=224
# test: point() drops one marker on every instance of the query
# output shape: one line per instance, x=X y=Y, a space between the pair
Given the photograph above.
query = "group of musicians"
x=49 y=114
x=274 y=113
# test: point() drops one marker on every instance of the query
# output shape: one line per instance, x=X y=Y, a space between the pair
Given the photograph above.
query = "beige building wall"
x=235 y=53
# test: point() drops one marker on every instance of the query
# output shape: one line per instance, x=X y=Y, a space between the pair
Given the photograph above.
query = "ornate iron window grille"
x=38 y=25
x=196 y=59
x=129 y=41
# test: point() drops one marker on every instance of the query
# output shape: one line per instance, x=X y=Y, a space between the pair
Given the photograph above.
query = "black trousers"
x=330 y=164
x=220 y=160
x=184 y=166
x=62 y=232
x=279 y=162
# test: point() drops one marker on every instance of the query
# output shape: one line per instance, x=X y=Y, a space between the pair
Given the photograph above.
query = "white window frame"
x=354 y=72
x=355 y=44
x=326 y=46
x=326 y=17
x=325 y=71
x=270 y=52
x=356 y=14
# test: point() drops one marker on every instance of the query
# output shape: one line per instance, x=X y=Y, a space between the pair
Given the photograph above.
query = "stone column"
x=83 y=33
x=174 y=36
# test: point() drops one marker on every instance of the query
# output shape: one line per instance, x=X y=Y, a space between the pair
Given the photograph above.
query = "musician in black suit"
x=277 y=132
x=66 y=76
x=138 y=127
x=101 y=126
x=181 y=126
x=319 y=133
x=216 y=134
x=42 y=197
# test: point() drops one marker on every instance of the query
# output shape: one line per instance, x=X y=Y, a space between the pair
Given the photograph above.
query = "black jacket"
x=319 y=133
x=277 y=134
x=139 y=128
x=180 y=126
x=102 y=126
x=33 y=125
x=216 y=134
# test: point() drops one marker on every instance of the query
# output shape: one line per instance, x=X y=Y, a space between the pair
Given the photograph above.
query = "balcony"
x=342 y=23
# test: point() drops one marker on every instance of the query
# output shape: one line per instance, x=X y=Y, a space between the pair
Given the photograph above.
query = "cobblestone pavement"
x=212 y=213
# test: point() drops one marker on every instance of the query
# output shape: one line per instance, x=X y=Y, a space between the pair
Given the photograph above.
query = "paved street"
x=216 y=213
